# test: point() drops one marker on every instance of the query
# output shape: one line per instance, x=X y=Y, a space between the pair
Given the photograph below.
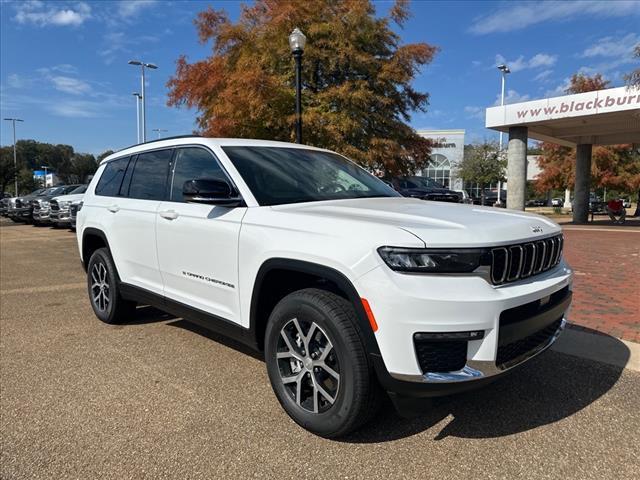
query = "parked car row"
x=55 y=206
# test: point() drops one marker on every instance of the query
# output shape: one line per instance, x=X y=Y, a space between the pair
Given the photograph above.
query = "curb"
x=599 y=347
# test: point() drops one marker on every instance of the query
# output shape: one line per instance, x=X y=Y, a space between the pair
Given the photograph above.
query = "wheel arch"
x=92 y=240
x=268 y=289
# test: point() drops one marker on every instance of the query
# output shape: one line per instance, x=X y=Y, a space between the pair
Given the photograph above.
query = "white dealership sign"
x=600 y=101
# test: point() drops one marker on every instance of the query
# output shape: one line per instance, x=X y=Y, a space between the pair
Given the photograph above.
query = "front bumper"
x=60 y=217
x=511 y=321
x=41 y=216
x=23 y=213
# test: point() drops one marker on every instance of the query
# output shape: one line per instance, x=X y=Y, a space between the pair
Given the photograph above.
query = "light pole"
x=505 y=70
x=144 y=96
x=297 y=41
x=138 y=98
x=15 y=161
x=159 y=131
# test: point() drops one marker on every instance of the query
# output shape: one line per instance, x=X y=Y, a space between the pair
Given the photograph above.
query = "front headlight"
x=44 y=203
x=64 y=204
x=431 y=260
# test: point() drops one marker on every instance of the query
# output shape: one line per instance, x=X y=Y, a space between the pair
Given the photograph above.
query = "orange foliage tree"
x=357 y=93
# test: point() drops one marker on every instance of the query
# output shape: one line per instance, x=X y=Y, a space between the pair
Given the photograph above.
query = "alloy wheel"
x=308 y=365
x=100 y=290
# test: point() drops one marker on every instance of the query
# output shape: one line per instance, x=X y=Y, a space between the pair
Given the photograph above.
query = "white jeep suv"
x=349 y=289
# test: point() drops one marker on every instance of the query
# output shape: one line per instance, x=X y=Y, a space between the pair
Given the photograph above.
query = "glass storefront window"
x=439 y=169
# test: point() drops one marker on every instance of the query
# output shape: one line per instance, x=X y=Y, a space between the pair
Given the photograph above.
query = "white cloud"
x=70 y=85
x=511 y=16
x=119 y=43
x=17 y=81
x=38 y=13
x=131 y=8
x=560 y=89
x=511 y=96
x=613 y=47
x=474 y=112
x=542 y=60
x=543 y=76
x=539 y=60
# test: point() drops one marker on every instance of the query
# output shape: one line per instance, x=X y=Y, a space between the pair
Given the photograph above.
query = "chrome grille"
x=514 y=262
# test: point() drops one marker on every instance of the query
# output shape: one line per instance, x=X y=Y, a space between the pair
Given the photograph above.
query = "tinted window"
x=191 y=164
x=278 y=175
x=149 y=179
x=109 y=183
x=80 y=189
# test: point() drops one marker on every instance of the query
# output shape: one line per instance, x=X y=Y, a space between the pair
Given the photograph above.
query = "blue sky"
x=64 y=64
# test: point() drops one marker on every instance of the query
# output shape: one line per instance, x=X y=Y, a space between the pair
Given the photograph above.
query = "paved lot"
x=606 y=262
x=158 y=398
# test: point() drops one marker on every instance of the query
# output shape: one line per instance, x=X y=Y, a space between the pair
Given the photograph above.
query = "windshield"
x=54 y=191
x=80 y=189
x=426 y=182
x=279 y=175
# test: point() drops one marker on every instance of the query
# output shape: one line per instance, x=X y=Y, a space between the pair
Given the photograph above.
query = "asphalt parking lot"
x=160 y=398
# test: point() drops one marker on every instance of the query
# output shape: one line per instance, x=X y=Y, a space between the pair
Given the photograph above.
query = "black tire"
x=356 y=393
x=104 y=294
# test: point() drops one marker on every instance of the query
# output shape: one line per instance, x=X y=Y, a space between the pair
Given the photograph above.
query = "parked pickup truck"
x=60 y=207
x=42 y=203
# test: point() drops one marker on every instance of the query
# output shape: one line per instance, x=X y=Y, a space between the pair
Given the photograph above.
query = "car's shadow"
x=547 y=389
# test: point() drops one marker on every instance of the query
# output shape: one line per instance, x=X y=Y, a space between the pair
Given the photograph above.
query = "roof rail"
x=159 y=140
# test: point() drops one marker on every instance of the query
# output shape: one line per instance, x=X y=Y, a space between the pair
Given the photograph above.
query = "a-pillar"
x=583 y=183
x=517 y=168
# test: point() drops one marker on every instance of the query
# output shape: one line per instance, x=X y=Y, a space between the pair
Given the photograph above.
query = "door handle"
x=113 y=208
x=169 y=214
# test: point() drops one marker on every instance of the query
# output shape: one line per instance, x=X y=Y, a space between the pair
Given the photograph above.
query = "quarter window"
x=111 y=178
x=191 y=164
x=149 y=179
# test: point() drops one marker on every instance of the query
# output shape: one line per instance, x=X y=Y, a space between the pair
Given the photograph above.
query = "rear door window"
x=149 y=178
x=111 y=178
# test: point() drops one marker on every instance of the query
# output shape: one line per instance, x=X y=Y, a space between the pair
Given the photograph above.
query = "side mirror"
x=210 y=191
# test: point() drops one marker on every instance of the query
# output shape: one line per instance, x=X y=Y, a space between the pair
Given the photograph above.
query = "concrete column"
x=583 y=183
x=567 y=198
x=517 y=168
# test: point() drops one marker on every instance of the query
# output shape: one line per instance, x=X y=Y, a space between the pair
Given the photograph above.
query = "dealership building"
x=602 y=117
x=446 y=153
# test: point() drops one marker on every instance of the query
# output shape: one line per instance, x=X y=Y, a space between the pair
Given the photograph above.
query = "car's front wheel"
x=104 y=294
x=317 y=363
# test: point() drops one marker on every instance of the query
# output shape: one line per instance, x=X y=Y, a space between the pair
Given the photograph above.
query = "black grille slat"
x=441 y=356
x=514 y=262
x=54 y=205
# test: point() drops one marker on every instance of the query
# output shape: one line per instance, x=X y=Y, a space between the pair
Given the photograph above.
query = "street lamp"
x=505 y=70
x=138 y=98
x=15 y=162
x=144 y=96
x=297 y=41
x=159 y=131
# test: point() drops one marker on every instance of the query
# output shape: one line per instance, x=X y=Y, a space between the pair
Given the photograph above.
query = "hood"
x=69 y=198
x=437 y=224
x=425 y=191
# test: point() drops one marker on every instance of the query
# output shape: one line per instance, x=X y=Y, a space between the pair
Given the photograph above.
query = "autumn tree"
x=357 y=94
x=482 y=164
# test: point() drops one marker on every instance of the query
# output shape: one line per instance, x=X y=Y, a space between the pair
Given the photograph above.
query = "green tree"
x=357 y=79
x=7 y=170
x=482 y=164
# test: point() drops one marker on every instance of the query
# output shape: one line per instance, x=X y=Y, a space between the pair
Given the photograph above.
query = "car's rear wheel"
x=104 y=294
x=317 y=363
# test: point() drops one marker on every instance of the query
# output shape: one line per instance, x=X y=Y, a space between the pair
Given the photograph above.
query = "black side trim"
x=321 y=271
x=204 y=319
